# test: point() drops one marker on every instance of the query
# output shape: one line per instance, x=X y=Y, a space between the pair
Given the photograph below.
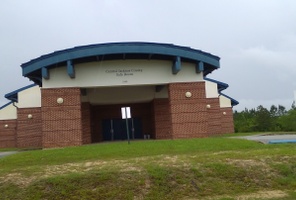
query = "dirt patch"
x=18 y=179
x=246 y=163
x=263 y=195
x=54 y=170
x=271 y=194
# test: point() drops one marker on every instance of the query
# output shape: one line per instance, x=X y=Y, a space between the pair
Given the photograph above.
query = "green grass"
x=214 y=168
x=8 y=149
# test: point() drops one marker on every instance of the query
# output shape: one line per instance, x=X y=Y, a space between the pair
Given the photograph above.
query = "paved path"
x=271 y=139
x=7 y=153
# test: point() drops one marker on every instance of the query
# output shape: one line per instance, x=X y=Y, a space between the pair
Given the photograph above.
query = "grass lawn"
x=207 y=168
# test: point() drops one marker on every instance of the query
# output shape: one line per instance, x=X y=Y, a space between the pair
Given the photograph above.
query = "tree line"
x=276 y=118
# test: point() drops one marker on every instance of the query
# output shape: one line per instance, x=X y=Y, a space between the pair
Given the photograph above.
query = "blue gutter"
x=233 y=101
x=12 y=96
x=221 y=85
x=5 y=105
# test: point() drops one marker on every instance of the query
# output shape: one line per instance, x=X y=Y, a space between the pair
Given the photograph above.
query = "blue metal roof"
x=233 y=101
x=221 y=85
x=124 y=50
x=12 y=96
x=5 y=105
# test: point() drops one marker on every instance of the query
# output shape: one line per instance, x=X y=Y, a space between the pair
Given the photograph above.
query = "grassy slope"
x=213 y=168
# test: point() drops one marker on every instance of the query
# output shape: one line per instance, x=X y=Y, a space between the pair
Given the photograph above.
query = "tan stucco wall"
x=211 y=89
x=30 y=98
x=119 y=95
x=9 y=112
x=224 y=102
x=121 y=73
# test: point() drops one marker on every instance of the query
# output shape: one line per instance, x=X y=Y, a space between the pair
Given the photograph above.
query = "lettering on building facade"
x=124 y=72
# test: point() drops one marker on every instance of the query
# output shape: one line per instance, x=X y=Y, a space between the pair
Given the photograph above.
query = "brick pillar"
x=214 y=117
x=62 y=124
x=162 y=119
x=227 y=125
x=8 y=133
x=86 y=132
x=189 y=114
x=29 y=128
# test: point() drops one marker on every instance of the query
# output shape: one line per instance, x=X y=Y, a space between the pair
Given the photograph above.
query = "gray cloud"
x=256 y=40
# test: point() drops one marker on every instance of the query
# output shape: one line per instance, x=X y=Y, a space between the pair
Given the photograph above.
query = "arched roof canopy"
x=38 y=67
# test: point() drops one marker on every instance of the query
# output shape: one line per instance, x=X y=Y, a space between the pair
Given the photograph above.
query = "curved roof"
x=110 y=51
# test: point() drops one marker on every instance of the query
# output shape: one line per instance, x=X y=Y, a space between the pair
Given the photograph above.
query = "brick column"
x=214 y=117
x=227 y=125
x=189 y=114
x=62 y=124
x=162 y=119
x=29 y=129
x=8 y=133
x=86 y=132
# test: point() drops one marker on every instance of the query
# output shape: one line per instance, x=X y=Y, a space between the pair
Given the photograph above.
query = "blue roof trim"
x=5 y=105
x=221 y=85
x=199 y=67
x=176 y=65
x=70 y=69
x=12 y=96
x=233 y=101
x=163 y=50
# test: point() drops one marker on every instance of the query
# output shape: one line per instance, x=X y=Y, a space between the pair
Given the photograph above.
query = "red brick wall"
x=8 y=135
x=189 y=115
x=214 y=117
x=62 y=124
x=75 y=123
x=29 y=131
x=227 y=125
x=86 y=134
x=162 y=119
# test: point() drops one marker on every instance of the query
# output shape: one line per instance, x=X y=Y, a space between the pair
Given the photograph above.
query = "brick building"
x=78 y=94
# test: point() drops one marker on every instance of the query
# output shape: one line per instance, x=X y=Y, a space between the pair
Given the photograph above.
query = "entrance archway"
x=107 y=125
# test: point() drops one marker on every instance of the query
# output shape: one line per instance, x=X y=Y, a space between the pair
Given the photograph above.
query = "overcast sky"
x=255 y=39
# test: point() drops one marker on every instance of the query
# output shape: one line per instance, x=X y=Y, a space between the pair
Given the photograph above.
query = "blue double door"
x=115 y=129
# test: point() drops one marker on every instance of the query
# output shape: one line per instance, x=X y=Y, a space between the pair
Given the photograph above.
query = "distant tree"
x=277 y=118
x=288 y=121
x=274 y=118
x=244 y=120
x=293 y=107
x=273 y=111
x=281 y=110
x=263 y=119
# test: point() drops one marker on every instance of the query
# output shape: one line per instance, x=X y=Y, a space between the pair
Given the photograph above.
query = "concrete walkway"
x=7 y=153
x=271 y=139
